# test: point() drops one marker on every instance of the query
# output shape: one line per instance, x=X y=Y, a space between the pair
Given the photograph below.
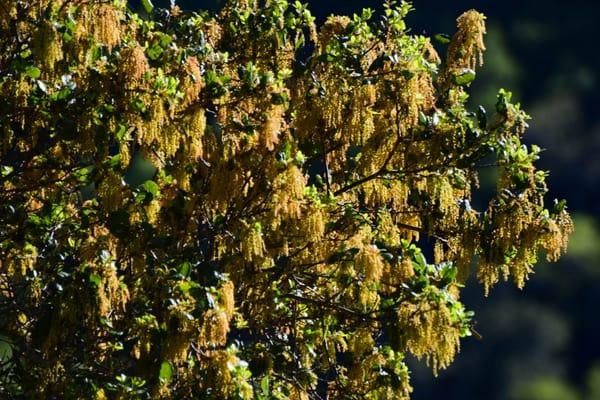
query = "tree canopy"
x=310 y=218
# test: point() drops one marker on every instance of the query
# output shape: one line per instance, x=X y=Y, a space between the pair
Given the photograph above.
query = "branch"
x=323 y=303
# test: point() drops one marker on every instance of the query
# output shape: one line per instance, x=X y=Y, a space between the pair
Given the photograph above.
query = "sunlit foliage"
x=278 y=252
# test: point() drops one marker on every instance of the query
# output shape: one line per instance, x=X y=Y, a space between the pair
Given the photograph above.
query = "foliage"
x=279 y=251
x=546 y=389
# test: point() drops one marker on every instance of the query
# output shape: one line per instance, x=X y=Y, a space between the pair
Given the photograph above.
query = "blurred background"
x=541 y=343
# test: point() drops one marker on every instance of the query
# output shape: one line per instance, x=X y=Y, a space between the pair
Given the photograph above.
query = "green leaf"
x=6 y=170
x=6 y=352
x=264 y=385
x=155 y=51
x=166 y=372
x=120 y=134
x=148 y=6
x=421 y=261
x=503 y=101
x=138 y=105
x=448 y=273
x=185 y=287
x=165 y=40
x=300 y=158
x=152 y=188
x=185 y=268
x=95 y=280
x=113 y=161
x=25 y=53
x=33 y=72
x=465 y=77
x=443 y=38
x=559 y=206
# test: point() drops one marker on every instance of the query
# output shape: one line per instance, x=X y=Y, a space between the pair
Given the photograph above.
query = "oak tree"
x=309 y=222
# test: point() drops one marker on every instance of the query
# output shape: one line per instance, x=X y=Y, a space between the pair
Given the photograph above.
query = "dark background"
x=541 y=343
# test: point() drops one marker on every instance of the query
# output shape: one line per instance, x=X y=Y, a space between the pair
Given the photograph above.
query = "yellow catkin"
x=112 y=295
x=176 y=347
x=427 y=96
x=361 y=343
x=102 y=22
x=7 y=14
x=219 y=367
x=252 y=244
x=272 y=127
x=143 y=330
x=387 y=229
x=556 y=240
x=152 y=211
x=406 y=270
x=192 y=82
x=368 y=298
x=291 y=185
x=134 y=65
x=151 y=131
x=315 y=223
x=370 y=262
x=430 y=333
x=215 y=328
x=335 y=25
x=214 y=33
x=438 y=252
x=179 y=341
x=298 y=394
x=431 y=55
x=360 y=126
x=100 y=395
x=410 y=226
x=466 y=47
x=467 y=44
x=169 y=140
x=332 y=108
x=462 y=251
x=47 y=47
x=227 y=300
x=196 y=133
x=111 y=192
x=412 y=99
